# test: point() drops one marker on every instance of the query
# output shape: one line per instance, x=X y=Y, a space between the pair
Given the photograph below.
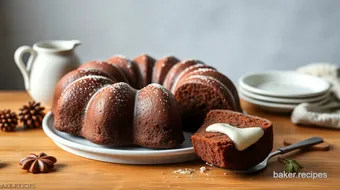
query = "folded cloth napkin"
x=322 y=115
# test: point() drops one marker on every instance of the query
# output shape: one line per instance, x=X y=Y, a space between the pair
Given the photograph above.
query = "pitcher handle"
x=25 y=71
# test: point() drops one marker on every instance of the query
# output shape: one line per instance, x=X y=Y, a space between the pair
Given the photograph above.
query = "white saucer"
x=124 y=155
x=286 y=84
x=271 y=106
x=315 y=99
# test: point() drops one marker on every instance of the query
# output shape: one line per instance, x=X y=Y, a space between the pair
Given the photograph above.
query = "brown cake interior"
x=199 y=95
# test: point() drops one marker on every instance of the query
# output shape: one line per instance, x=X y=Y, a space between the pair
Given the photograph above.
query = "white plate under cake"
x=123 y=155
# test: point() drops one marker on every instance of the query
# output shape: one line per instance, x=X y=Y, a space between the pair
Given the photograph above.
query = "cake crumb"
x=224 y=173
x=203 y=169
x=186 y=171
x=162 y=173
x=207 y=163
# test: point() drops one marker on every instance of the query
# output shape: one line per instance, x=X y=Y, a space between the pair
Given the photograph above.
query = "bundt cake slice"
x=240 y=153
x=220 y=77
x=197 y=95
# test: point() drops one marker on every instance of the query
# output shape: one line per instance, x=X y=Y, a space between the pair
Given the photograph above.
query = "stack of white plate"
x=282 y=91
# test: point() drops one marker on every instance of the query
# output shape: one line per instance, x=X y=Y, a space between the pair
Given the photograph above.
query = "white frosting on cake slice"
x=242 y=137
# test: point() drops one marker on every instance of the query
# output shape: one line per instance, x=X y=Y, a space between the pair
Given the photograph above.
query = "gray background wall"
x=235 y=36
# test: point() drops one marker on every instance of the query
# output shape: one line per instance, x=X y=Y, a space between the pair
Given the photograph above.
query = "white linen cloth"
x=316 y=114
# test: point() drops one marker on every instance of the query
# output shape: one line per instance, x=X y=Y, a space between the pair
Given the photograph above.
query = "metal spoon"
x=300 y=145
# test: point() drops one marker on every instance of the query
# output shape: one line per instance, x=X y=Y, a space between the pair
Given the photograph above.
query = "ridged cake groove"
x=208 y=80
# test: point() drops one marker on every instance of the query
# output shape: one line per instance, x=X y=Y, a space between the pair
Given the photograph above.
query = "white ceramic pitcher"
x=48 y=62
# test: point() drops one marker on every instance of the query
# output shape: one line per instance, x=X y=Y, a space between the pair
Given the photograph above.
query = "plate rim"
x=283 y=100
x=267 y=93
x=267 y=104
x=271 y=104
x=101 y=150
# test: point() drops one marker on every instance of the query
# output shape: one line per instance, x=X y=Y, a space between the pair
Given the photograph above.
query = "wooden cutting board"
x=73 y=172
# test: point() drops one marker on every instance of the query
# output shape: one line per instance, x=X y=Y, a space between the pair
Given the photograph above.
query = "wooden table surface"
x=73 y=172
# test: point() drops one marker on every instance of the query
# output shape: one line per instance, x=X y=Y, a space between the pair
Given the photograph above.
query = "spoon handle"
x=302 y=144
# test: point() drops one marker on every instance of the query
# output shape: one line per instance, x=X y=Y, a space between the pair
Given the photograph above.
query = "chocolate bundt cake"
x=143 y=102
x=226 y=151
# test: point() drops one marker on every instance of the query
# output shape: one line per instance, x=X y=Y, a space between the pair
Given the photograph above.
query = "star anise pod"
x=38 y=163
x=32 y=115
x=8 y=120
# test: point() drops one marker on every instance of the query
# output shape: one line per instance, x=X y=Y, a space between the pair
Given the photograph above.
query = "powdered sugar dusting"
x=203 y=169
x=202 y=70
x=191 y=60
x=187 y=60
x=201 y=77
x=156 y=93
x=84 y=79
x=87 y=85
x=100 y=62
x=85 y=70
x=185 y=171
x=90 y=81
x=143 y=56
x=185 y=71
x=191 y=68
x=211 y=80
x=121 y=91
x=119 y=56
x=207 y=80
x=164 y=90
x=156 y=85
x=165 y=60
x=94 y=95
x=88 y=71
x=120 y=94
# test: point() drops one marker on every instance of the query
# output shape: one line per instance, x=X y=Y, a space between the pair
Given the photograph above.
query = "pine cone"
x=8 y=120
x=32 y=115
